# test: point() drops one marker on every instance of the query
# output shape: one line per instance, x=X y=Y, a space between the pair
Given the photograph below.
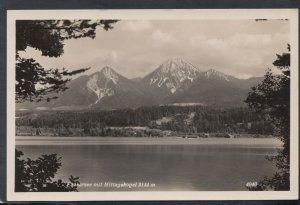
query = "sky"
x=134 y=48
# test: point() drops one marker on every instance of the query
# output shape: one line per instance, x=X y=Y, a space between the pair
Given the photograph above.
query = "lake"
x=157 y=164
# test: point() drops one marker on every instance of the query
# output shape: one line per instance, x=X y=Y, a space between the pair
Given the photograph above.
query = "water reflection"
x=169 y=167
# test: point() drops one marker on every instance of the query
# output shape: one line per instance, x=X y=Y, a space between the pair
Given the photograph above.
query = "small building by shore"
x=231 y=136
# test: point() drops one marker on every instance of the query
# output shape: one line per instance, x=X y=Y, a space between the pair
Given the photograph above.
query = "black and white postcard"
x=152 y=104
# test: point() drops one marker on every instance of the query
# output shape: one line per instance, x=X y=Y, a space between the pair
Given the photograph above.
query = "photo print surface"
x=118 y=105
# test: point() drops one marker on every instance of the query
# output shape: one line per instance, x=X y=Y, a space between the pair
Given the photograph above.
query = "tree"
x=272 y=97
x=37 y=175
x=33 y=82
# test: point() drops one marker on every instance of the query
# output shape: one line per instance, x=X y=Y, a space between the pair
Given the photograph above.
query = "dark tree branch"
x=33 y=82
x=272 y=97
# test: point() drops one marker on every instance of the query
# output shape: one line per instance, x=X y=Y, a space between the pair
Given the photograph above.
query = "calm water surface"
x=186 y=165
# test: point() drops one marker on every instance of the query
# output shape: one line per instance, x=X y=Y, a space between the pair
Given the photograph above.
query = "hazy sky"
x=242 y=48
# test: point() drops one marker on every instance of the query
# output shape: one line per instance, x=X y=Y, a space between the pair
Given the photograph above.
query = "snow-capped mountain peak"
x=214 y=73
x=173 y=73
x=103 y=83
x=173 y=64
x=110 y=74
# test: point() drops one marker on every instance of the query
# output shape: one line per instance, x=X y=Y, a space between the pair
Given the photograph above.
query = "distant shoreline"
x=35 y=140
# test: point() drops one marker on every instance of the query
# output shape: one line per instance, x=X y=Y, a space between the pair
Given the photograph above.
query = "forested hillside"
x=179 y=119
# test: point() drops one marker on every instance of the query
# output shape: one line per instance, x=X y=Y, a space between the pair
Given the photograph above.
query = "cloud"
x=213 y=43
x=137 y=26
x=249 y=61
x=235 y=41
x=250 y=41
x=164 y=37
x=134 y=48
x=104 y=58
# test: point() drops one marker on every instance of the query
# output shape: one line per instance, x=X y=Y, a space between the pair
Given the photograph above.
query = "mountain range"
x=175 y=81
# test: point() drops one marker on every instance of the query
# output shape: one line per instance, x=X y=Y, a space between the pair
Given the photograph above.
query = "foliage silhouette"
x=37 y=175
x=272 y=98
x=33 y=82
